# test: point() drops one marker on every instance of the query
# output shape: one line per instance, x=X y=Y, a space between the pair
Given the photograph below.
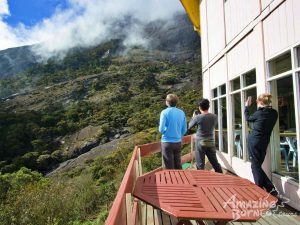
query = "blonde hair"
x=172 y=99
x=265 y=99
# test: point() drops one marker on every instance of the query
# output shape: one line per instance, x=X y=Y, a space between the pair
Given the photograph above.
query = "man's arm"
x=192 y=122
x=162 y=123
x=184 y=126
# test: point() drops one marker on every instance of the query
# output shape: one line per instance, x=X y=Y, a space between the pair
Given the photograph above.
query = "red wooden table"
x=203 y=195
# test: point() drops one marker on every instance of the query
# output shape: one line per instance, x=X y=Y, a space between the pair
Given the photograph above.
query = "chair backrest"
x=291 y=143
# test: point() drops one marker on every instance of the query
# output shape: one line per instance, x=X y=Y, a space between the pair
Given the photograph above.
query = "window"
x=280 y=64
x=284 y=142
x=216 y=111
x=237 y=125
x=215 y=93
x=298 y=56
x=239 y=96
x=236 y=84
x=220 y=109
x=223 y=89
x=285 y=136
x=249 y=78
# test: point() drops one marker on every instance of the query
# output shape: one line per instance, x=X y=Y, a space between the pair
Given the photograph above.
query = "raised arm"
x=248 y=117
x=192 y=122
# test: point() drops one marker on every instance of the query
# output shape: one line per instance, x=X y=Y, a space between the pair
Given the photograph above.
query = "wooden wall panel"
x=218 y=73
x=296 y=18
x=238 y=14
x=265 y=3
x=243 y=57
x=216 y=28
x=206 y=85
x=204 y=41
x=281 y=28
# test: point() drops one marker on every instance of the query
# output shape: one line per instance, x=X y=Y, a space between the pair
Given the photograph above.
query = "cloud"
x=87 y=23
x=4 y=10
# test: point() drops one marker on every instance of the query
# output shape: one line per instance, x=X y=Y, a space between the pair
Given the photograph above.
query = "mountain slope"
x=86 y=113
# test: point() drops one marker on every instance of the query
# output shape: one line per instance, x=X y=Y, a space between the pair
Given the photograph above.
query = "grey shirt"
x=206 y=124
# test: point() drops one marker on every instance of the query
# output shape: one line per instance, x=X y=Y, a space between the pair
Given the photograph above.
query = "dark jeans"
x=257 y=147
x=210 y=152
x=171 y=155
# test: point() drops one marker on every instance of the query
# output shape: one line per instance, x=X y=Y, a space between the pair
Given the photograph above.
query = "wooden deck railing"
x=125 y=210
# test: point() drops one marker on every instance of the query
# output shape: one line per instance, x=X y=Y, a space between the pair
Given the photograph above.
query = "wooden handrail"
x=117 y=214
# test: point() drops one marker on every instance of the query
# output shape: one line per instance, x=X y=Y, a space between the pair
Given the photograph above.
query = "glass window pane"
x=252 y=109
x=298 y=57
x=223 y=89
x=215 y=111
x=224 y=125
x=236 y=84
x=280 y=64
x=237 y=126
x=249 y=78
x=215 y=92
x=286 y=137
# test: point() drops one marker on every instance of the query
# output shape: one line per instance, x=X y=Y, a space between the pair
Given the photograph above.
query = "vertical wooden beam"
x=129 y=209
x=140 y=161
x=192 y=151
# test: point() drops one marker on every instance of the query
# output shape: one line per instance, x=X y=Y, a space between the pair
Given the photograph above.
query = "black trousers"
x=257 y=147
x=171 y=155
x=211 y=154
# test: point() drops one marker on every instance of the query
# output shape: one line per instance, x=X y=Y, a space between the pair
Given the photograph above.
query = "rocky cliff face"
x=15 y=60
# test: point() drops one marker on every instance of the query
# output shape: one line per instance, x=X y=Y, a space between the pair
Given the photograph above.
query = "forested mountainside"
x=77 y=120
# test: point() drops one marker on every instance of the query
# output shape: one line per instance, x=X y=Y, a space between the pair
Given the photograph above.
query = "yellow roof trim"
x=192 y=7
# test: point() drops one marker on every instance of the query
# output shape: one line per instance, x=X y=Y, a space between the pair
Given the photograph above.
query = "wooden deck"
x=153 y=216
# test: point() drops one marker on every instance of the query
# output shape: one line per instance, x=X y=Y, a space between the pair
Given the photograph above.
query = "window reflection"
x=236 y=84
x=280 y=64
x=250 y=78
x=215 y=92
x=237 y=126
x=223 y=89
x=253 y=93
x=287 y=127
x=215 y=111
x=224 y=125
x=298 y=57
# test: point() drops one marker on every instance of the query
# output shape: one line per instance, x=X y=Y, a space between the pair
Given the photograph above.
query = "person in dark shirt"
x=204 y=140
x=263 y=122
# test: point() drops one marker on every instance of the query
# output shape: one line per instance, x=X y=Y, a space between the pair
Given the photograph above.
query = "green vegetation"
x=125 y=95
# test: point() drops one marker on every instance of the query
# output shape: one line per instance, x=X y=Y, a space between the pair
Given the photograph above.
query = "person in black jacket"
x=263 y=121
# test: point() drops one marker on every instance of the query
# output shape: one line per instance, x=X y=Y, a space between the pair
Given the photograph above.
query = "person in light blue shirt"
x=172 y=126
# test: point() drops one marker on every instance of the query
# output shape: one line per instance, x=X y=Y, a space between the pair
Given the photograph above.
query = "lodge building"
x=251 y=47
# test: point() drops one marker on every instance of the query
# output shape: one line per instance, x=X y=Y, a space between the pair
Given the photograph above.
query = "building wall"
x=238 y=14
x=216 y=37
x=282 y=27
x=238 y=36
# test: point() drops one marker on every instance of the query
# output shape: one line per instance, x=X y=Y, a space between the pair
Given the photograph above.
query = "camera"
x=196 y=112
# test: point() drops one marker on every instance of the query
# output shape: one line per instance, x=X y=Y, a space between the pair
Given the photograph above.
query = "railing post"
x=139 y=161
x=192 y=151
x=129 y=208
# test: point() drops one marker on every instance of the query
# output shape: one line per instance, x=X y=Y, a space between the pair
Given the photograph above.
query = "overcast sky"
x=63 y=24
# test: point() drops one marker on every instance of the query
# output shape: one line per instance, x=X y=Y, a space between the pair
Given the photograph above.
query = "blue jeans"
x=211 y=154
